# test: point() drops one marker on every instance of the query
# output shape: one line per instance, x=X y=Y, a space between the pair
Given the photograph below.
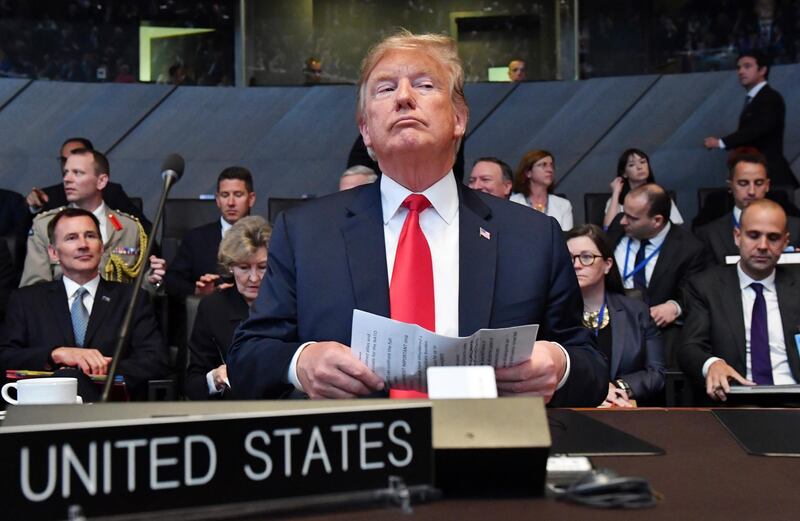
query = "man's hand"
x=37 y=198
x=329 y=370
x=664 y=314
x=538 y=376
x=205 y=284
x=220 y=377
x=719 y=374
x=616 y=397
x=158 y=267
x=711 y=143
x=90 y=361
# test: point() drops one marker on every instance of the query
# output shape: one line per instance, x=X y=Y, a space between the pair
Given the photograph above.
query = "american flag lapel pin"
x=486 y=235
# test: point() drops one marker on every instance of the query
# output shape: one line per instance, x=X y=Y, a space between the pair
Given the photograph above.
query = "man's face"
x=82 y=184
x=233 y=200
x=635 y=220
x=408 y=106
x=761 y=239
x=749 y=183
x=517 y=70
x=488 y=178
x=78 y=247
x=749 y=73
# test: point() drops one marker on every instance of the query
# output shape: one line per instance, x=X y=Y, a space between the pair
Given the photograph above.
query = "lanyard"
x=600 y=315
x=638 y=267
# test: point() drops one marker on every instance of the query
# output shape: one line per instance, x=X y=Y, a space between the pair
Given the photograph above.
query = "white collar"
x=745 y=280
x=71 y=286
x=659 y=238
x=443 y=195
x=755 y=90
x=737 y=213
x=225 y=225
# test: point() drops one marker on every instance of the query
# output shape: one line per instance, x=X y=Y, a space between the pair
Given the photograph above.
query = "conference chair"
x=594 y=207
x=275 y=205
x=181 y=215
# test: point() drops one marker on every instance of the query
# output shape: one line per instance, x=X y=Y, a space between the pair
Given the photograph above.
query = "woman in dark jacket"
x=243 y=254
x=622 y=325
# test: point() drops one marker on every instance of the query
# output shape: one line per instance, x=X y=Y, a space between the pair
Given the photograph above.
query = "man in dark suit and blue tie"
x=741 y=320
x=416 y=246
x=74 y=321
x=762 y=121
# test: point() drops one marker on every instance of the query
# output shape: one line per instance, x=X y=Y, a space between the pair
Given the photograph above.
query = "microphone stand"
x=124 y=331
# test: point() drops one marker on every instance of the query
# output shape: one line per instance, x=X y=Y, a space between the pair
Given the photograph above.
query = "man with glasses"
x=51 y=197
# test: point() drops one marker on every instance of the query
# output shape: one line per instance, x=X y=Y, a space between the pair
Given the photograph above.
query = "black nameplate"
x=147 y=465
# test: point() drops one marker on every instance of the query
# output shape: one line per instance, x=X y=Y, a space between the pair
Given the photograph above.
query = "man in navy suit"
x=494 y=264
x=762 y=120
x=194 y=269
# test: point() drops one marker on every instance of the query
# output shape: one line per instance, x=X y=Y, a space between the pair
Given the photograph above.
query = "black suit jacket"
x=761 y=125
x=218 y=315
x=196 y=256
x=12 y=212
x=39 y=320
x=113 y=195
x=8 y=279
x=714 y=323
x=327 y=258
x=717 y=236
x=680 y=257
x=637 y=351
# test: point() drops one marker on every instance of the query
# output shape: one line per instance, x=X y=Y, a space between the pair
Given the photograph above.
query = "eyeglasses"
x=587 y=259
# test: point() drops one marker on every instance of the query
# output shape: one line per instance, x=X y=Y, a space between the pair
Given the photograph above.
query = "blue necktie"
x=759 y=339
x=80 y=316
x=639 y=278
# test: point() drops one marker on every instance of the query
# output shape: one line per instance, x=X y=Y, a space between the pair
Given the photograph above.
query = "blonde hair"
x=441 y=48
x=243 y=240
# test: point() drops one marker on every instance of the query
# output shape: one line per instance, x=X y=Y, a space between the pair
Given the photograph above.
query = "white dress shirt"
x=440 y=224
x=623 y=250
x=88 y=299
x=225 y=225
x=781 y=373
x=558 y=208
x=750 y=94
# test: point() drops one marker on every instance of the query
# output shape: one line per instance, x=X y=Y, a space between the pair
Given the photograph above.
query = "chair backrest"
x=181 y=215
x=594 y=207
x=137 y=202
x=192 y=302
x=275 y=205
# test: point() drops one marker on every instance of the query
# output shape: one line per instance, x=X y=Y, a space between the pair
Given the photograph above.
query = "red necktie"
x=411 y=290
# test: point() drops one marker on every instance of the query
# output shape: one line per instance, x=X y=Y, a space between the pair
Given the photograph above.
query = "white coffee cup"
x=39 y=391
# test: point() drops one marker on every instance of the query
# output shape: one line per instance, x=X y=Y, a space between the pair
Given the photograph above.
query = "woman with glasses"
x=243 y=256
x=533 y=184
x=622 y=326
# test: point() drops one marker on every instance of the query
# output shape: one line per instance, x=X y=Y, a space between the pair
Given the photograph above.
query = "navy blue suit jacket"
x=327 y=258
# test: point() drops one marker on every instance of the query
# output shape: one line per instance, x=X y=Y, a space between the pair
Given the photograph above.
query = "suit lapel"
x=789 y=306
x=59 y=307
x=103 y=300
x=364 y=243
x=730 y=300
x=663 y=262
x=477 y=262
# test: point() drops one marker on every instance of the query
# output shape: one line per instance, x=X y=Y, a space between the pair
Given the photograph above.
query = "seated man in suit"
x=194 y=269
x=741 y=319
x=748 y=182
x=52 y=197
x=74 y=322
x=654 y=255
x=492 y=176
x=124 y=239
x=417 y=246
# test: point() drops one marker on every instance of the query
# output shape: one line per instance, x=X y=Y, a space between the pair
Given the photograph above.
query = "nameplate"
x=144 y=465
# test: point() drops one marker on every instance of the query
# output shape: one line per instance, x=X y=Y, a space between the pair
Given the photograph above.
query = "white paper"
x=400 y=353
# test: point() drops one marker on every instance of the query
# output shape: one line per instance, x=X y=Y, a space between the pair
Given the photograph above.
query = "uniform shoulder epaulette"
x=49 y=213
x=123 y=214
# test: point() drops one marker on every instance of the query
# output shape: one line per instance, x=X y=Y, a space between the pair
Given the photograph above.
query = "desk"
x=704 y=475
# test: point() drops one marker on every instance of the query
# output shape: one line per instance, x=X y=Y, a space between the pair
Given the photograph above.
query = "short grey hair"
x=361 y=170
x=243 y=240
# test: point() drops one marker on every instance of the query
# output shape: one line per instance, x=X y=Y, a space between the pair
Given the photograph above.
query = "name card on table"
x=143 y=465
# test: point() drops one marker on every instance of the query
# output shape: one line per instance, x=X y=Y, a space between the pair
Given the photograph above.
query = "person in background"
x=517 y=70
x=533 y=184
x=633 y=171
x=356 y=176
x=625 y=332
x=243 y=254
x=492 y=176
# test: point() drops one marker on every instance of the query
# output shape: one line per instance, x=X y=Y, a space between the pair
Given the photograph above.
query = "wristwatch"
x=619 y=383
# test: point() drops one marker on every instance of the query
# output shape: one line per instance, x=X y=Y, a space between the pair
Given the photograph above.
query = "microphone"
x=172 y=167
x=171 y=172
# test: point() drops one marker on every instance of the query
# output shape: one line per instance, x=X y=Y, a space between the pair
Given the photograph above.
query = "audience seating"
x=275 y=205
x=594 y=207
x=181 y=215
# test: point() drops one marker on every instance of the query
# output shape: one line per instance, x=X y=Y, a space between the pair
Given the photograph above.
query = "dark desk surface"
x=704 y=475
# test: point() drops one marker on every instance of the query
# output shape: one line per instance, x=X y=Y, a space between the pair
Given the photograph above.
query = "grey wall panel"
x=9 y=87
x=37 y=121
x=786 y=78
x=483 y=98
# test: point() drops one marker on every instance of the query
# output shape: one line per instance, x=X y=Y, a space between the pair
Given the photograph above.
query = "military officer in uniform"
x=124 y=239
